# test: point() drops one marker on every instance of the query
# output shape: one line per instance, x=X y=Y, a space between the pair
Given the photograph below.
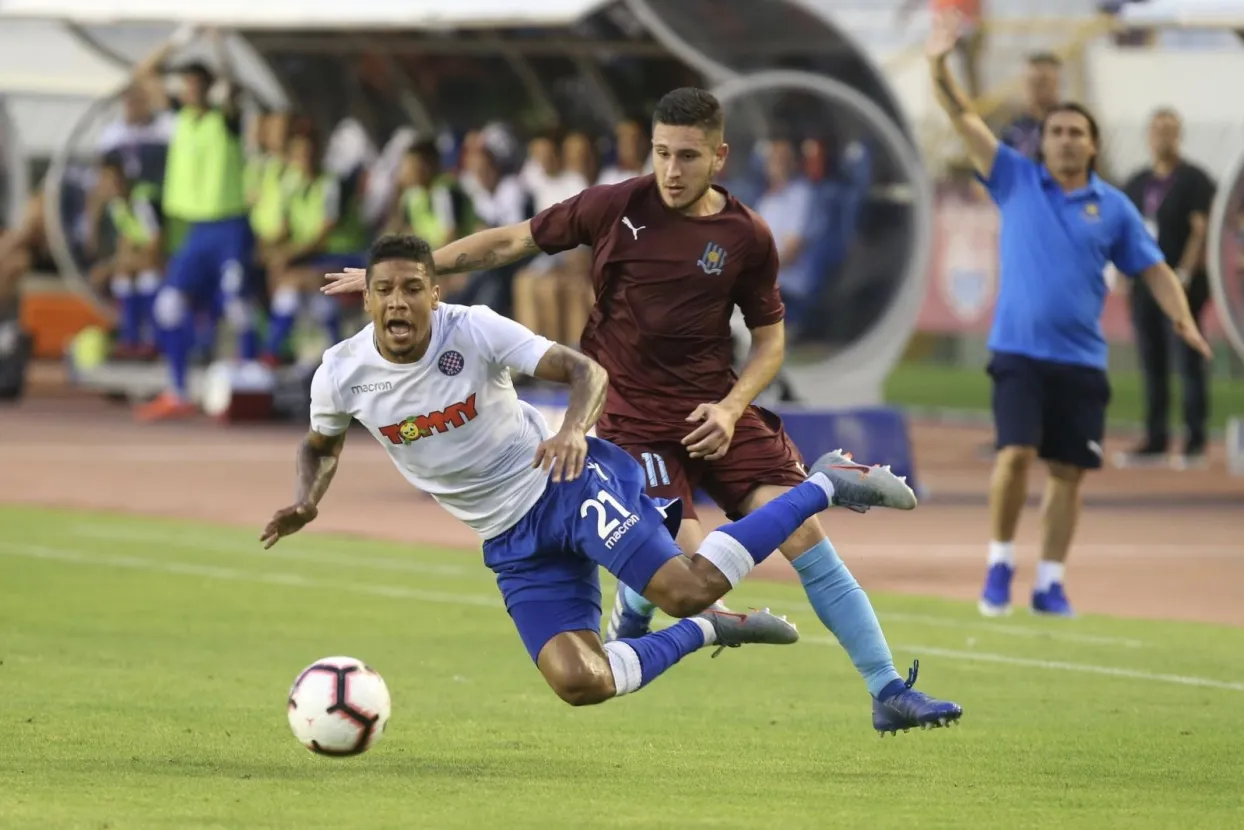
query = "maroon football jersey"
x=666 y=285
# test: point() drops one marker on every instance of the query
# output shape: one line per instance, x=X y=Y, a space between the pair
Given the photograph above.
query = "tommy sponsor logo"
x=363 y=388
x=415 y=427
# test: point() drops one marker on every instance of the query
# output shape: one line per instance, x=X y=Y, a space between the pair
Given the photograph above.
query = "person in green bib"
x=324 y=231
x=203 y=187
x=266 y=181
x=133 y=273
x=432 y=205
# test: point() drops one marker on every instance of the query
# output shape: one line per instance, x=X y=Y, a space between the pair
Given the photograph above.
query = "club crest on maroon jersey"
x=713 y=260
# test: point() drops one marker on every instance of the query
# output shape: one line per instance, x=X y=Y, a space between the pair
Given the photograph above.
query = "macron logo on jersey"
x=415 y=427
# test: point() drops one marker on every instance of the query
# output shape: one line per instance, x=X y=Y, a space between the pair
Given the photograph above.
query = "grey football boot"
x=736 y=628
x=859 y=487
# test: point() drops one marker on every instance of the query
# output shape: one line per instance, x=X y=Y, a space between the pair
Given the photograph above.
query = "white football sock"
x=710 y=633
x=1002 y=553
x=1048 y=573
x=624 y=663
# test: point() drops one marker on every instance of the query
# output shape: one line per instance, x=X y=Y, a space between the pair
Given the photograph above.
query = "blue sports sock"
x=762 y=530
x=844 y=608
x=177 y=344
x=283 y=314
x=130 y=311
x=147 y=285
x=248 y=344
x=328 y=313
x=655 y=652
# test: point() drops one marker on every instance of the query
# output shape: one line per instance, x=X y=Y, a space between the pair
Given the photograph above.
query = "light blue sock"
x=636 y=603
x=844 y=608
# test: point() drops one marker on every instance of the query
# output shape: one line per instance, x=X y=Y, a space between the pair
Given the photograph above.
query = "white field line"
x=117 y=534
x=287 y=579
x=1007 y=629
x=299 y=554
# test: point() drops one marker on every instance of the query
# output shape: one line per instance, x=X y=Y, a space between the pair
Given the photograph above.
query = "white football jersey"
x=451 y=422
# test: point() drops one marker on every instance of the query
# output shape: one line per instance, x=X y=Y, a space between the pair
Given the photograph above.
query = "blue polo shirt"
x=1053 y=251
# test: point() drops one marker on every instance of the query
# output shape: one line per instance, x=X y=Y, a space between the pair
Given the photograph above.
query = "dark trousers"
x=1156 y=342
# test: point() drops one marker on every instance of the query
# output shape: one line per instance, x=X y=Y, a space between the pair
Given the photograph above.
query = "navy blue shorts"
x=1058 y=408
x=546 y=565
x=213 y=261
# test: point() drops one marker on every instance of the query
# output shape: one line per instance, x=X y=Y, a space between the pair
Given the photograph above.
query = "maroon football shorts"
x=760 y=453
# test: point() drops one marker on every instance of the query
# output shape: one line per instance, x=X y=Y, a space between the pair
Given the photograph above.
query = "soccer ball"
x=338 y=706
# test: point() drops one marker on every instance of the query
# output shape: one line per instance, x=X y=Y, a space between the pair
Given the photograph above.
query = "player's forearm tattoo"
x=316 y=467
x=589 y=383
x=483 y=251
x=467 y=262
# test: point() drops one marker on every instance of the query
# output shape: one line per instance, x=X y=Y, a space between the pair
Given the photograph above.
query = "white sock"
x=728 y=555
x=1002 y=553
x=710 y=633
x=624 y=663
x=1048 y=573
x=821 y=480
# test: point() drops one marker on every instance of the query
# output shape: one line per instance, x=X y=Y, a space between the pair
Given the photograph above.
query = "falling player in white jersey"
x=431 y=382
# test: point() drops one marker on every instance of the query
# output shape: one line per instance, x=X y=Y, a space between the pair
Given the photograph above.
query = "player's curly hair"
x=690 y=106
x=404 y=247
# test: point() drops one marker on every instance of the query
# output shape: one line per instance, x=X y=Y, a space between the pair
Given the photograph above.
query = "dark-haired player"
x=672 y=256
x=431 y=381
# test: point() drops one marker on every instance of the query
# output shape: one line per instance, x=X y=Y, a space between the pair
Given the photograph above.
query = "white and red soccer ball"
x=338 y=706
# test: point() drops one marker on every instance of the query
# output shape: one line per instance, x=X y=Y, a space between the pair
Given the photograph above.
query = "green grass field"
x=146 y=664
x=933 y=386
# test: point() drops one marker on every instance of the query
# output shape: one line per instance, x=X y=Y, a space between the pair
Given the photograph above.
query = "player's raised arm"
x=487 y=249
x=482 y=251
x=981 y=144
x=566 y=451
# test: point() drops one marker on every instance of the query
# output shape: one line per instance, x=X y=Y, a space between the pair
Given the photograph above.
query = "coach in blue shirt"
x=1061 y=225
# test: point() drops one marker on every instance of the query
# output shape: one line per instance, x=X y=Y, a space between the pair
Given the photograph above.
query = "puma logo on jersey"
x=411 y=429
x=626 y=220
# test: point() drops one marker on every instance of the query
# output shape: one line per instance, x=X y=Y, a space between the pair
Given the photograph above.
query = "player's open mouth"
x=399 y=328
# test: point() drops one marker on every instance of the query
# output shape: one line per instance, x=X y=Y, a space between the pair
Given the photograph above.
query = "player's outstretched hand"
x=564 y=455
x=1192 y=336
x=288 y=520
x=711 y=439
x=346 y=281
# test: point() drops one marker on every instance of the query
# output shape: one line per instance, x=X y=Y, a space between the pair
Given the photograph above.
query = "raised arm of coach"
x=1010 y=185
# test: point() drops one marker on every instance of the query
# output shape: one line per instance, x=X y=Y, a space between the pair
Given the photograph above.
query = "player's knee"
x=232 y=278
x=580 y=685
x=286 y=301
x=1015 y=460
x=169 y=307
x=1067 y=474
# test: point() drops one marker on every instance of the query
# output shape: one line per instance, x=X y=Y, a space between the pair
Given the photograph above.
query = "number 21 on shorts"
x=612 y=517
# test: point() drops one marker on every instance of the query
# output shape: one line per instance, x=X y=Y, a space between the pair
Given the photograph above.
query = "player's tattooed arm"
x=564 y=455
x=588 y=381
x=980 y=142
x=487 y=249
x=317 y=463
x=318 y=456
